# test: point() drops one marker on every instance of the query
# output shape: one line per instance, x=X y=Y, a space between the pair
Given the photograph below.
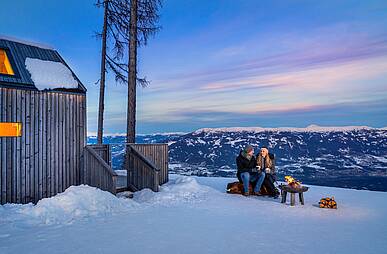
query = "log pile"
x=328 y=203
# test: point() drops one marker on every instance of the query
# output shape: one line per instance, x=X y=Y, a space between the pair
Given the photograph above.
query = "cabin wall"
x=45 y=160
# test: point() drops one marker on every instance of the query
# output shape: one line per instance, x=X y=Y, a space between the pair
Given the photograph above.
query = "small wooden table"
x=286 y=188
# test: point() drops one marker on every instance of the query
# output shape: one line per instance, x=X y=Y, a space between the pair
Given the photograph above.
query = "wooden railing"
x=104 y=151
x=142 y=172
x=158 y=154
x=97 y=172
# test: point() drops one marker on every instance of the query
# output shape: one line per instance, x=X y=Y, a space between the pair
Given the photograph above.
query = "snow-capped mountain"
x=353 y=156
x=118 y=148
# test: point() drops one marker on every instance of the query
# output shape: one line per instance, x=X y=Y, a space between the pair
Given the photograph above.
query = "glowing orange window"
x=10 y=129
x=5 y=65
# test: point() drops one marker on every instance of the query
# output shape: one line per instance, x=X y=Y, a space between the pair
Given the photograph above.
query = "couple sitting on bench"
x=259 y=171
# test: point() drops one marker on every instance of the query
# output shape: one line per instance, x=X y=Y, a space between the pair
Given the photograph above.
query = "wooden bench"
x=286 y=188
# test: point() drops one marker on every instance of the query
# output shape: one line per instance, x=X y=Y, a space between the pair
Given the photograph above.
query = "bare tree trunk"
x=131 y=117
x=101 y=107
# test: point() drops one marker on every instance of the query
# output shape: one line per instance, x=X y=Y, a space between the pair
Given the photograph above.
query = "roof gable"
x=18 y=53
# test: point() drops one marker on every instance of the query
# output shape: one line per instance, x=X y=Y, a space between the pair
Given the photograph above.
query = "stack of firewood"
x=328 y=203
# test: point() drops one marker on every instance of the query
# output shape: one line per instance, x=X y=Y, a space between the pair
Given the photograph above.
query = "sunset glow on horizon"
x=231 y=63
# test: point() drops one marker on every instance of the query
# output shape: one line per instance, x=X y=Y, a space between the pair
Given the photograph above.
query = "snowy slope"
x=194 y=215
x=351 y=156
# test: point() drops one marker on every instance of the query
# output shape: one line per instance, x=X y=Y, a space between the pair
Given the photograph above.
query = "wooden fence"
x=97 y=172
x=45 y=160
x=104 y=151
x=147 y=165
x=158 y=154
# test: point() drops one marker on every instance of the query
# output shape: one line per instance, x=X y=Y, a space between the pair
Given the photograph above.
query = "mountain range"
x=350 y=157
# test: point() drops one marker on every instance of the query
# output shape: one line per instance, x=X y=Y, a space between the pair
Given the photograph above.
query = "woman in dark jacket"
x=265 y=161
x=247 y=171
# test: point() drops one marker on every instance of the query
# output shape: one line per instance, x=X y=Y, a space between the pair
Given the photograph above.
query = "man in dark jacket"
x=248 y=172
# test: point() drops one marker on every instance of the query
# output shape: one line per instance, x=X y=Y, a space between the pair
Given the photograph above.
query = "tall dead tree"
x=130 y=24
x=131 y=111
x=101 y=106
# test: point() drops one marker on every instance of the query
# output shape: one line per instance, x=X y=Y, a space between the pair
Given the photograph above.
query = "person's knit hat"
x=248 y=149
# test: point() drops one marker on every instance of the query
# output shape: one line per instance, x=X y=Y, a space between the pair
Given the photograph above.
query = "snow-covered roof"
x=49 y=74
x=37 y=66
x=310 y=128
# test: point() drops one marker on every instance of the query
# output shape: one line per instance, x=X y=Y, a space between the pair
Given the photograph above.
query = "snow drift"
x=80 y=202
x=75 y=203
x=180 y=189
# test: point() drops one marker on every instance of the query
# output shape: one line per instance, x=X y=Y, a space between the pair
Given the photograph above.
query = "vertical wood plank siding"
x=45 y=160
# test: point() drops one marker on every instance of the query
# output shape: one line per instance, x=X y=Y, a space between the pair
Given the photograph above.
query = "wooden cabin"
x=43 y=132
x=42 y=122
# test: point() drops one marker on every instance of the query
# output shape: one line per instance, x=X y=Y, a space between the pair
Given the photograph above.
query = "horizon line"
x=311 y=127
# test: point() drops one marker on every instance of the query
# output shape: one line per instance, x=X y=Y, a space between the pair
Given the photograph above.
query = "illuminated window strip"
x=5 y=65
x=10 y=129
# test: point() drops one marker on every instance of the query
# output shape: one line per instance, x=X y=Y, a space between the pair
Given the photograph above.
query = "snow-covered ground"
x=195 y=215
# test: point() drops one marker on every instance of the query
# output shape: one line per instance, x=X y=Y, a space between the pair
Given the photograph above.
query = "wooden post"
x=114 y=185
x=283 y=194
x=301 y=196
x=156 y=181
x=292 y=199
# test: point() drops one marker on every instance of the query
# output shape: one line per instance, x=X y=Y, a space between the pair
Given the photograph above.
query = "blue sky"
x=229 y=63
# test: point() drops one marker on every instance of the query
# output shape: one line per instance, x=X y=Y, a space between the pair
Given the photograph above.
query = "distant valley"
x=350 y=157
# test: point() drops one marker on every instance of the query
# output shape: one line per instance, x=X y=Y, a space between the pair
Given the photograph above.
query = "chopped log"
x=328 y=203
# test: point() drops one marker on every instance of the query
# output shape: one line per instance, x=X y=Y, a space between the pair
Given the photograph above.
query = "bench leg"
x=292 y=199
x=301 y=195
x=283 y=194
